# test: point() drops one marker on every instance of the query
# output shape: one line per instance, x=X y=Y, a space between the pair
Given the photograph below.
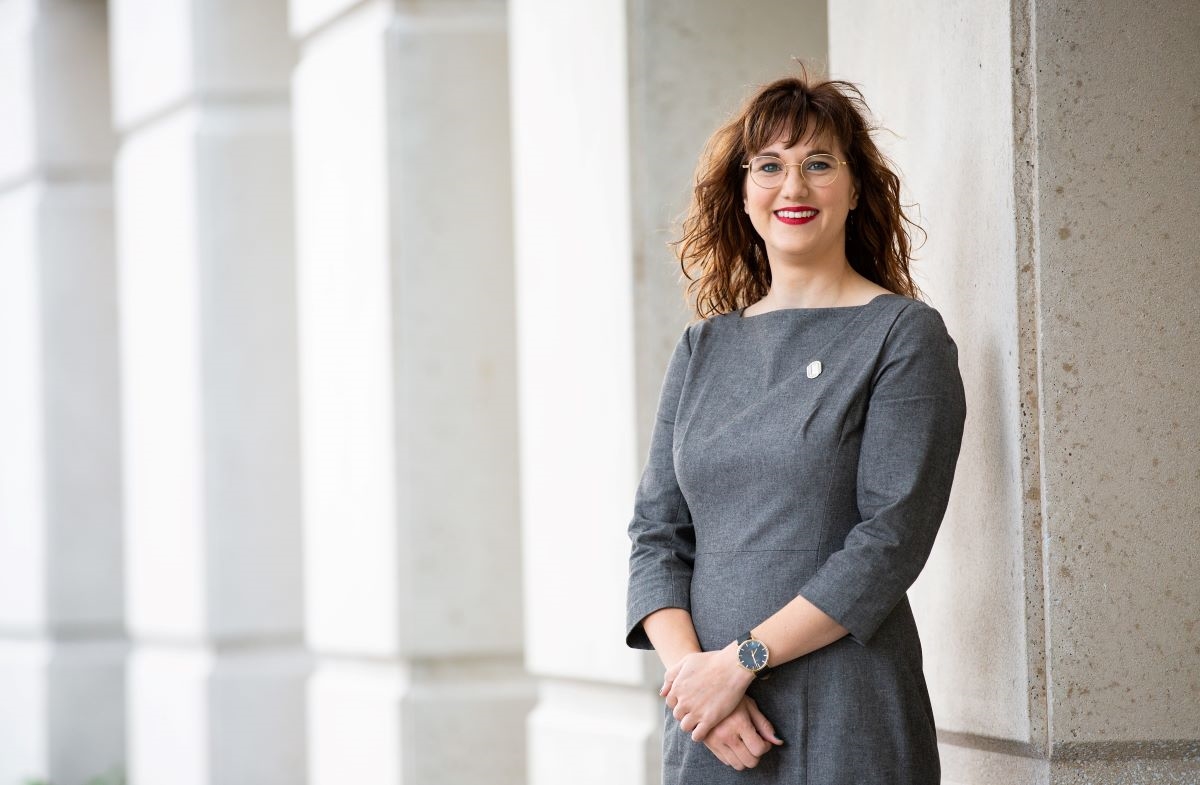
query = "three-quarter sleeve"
x=910 y=443
x=663 y=543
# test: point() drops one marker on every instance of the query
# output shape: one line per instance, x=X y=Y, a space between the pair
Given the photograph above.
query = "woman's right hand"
x=741 y=739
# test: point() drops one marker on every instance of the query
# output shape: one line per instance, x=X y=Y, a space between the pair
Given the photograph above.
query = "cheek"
x=756 y=201
x=759 y=211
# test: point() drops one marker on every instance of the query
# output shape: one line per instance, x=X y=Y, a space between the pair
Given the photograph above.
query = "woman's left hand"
x=704 y=688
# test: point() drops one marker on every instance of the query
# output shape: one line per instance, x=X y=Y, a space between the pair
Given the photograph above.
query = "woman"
x=801 y=463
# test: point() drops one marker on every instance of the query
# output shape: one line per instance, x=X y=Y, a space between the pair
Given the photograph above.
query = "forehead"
x=803 y=144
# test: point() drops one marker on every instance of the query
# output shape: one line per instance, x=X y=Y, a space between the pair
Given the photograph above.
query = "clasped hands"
x=707 y=694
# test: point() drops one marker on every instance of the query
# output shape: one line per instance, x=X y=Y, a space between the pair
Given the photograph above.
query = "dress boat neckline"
x=742 y=311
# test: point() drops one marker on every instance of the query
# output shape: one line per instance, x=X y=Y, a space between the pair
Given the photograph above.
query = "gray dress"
x=765 y=481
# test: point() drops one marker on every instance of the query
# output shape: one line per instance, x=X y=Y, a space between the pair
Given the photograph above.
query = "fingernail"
x=781 y=741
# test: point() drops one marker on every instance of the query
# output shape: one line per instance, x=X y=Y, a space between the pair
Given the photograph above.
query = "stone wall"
x=1051 y=146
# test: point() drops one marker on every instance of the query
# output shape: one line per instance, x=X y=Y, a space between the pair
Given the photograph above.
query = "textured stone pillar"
x=1052 y=148
x=409 y=407
x=205 y=248
x=62 y=706
x=608 y=126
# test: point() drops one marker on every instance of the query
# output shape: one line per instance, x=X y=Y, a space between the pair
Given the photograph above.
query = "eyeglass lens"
x=769 y=171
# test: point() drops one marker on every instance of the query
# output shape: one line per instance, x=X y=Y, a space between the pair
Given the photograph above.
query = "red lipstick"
x=795 y=216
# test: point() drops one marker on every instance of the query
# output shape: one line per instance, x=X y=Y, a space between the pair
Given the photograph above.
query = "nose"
x=794 y=182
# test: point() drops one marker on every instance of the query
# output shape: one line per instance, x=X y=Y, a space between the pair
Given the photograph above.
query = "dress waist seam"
x=758 y=550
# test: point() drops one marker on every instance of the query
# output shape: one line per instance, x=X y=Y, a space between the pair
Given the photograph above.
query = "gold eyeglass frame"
x=785 y=166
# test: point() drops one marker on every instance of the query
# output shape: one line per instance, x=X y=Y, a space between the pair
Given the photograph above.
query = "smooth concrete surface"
x=54 y=92
x=228 y=399
x=63 y=715
x=84 y=691
x=344 y=293
x=354 y=716
x=166 y=52
x=209 y=382
x=18 y=134
x=200 y=716
x=571 y=164
x=58 y=470
x=412 y=579
x=462 y=722
x=611 y=734
x=454 y=330
x=398 y=722
x=161 y=381
x=79 y=374
x=248 y=360
x=305 y=17
x=948 y=129
x=209 y=369
x=61 y=643
x=22 y=448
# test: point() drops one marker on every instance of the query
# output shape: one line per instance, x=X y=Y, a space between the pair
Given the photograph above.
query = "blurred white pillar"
x=61 y=643
x=608 y=125
x=204 y=238
x=409 y=405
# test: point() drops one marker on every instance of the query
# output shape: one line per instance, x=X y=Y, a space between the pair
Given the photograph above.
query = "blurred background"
x=331 y=334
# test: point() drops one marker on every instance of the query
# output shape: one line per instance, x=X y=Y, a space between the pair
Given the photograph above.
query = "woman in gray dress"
x=800 y=465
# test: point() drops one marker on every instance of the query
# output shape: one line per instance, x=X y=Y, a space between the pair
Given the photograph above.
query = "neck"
x=809 y=286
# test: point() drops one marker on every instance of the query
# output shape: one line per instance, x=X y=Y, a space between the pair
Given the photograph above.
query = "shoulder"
x=914 y=324
x=918 y=357
x=699 y=329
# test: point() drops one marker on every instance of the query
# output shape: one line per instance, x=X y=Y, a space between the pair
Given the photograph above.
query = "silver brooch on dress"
x=814 y=369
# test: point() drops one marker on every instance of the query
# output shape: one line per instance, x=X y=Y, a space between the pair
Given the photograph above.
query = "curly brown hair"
x=722 y=255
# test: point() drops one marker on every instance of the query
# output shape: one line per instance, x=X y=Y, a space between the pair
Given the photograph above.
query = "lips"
x=794 y=216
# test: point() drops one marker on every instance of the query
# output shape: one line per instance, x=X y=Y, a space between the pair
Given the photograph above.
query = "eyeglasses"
x=769 y=171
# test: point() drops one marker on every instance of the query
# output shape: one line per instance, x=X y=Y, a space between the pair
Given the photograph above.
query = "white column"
x=61 y=643
x=608 y=127
x=203 y=183
x=409 y=419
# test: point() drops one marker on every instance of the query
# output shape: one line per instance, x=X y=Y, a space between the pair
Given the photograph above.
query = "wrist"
x=741 y=675
x=753 y=655
x=676 y=657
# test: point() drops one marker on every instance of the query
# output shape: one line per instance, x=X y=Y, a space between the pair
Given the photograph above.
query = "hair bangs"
x=791 y=114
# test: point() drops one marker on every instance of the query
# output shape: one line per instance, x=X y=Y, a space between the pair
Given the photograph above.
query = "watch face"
x=753 y=655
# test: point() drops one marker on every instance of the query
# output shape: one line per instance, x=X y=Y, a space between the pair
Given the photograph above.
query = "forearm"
x=672 y=634
x=797 y=629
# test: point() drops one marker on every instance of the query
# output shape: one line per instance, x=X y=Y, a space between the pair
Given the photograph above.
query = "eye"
x=768 y=165
x=818 y=166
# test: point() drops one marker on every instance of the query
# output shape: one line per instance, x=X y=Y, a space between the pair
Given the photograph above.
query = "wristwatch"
x=753 y=655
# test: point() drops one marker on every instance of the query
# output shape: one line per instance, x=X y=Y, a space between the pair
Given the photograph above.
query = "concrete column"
x=62 y=648
x=607 y=129
x=1052 y=150
x=412 y=570
x=205 y=247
